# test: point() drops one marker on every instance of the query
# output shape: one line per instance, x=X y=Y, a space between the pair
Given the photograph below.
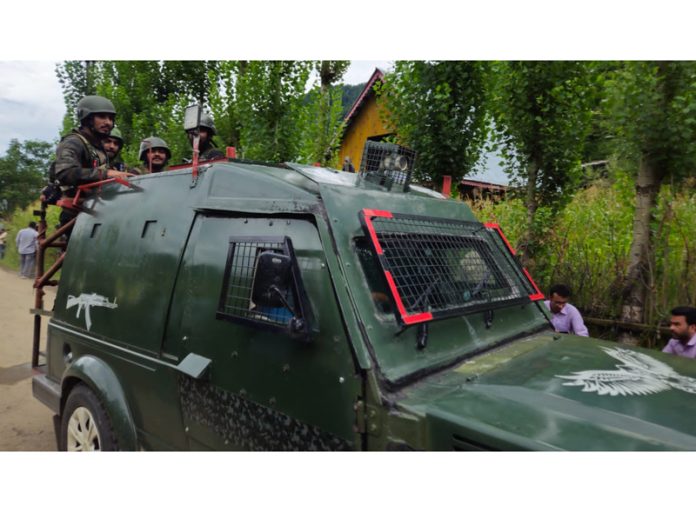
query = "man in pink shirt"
x=565 y=317
x=682 y=325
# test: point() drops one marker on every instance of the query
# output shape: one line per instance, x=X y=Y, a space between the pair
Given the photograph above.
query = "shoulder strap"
x=90 y=149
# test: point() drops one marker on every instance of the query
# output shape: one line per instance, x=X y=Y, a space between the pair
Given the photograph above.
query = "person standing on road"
x=26 y=247
x=565 y=317
x=682 y=325
x=3 y=238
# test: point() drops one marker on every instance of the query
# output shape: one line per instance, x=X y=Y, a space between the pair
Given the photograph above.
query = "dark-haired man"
x=154 y=154
x=80 y=157
x=113 y=144
x=206 y=146
x=565 y=317
x=682 y=325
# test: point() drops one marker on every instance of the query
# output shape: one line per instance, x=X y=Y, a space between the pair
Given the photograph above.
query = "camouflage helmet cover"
x=94 y=105
x=152 y=143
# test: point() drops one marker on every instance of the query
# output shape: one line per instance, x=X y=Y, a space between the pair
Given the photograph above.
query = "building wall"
x=365 y=124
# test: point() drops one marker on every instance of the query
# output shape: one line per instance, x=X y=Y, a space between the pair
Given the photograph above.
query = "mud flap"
x=56 y=430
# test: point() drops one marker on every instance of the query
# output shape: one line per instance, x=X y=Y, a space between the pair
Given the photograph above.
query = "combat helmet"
x=207 y=122
x=152 y=143
x=116 y=134
x=94 y=105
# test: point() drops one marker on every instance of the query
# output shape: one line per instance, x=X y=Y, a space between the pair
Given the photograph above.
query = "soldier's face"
x=680 y=329
x=111 y=146
x=204 y=135
x=156 y=156
x=557 y=303
x=103 y=123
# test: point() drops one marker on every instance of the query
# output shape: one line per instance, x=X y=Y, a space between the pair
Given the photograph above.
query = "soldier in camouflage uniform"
x=155 y=154
x=113 y=145
x=206 y=146
x=80 y=157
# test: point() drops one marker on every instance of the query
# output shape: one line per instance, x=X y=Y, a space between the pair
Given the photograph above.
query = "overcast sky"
x=31 y=100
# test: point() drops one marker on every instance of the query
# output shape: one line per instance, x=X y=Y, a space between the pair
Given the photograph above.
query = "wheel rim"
x=83 y=435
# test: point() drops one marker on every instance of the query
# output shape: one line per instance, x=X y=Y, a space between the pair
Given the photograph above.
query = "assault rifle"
x=87 y=300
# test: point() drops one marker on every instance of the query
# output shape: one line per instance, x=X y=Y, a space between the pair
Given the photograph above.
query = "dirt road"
x=25 y=423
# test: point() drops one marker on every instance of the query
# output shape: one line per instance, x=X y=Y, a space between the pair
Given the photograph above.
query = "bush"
x=19 y=220
x=587 y=245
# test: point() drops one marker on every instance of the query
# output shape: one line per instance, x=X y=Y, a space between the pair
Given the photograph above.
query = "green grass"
x=587 y=246
x=20 y=220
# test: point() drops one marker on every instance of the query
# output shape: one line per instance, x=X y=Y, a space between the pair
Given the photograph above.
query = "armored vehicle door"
x=264 y=359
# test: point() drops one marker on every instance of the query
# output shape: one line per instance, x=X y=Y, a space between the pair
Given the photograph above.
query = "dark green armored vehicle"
x=287 y=307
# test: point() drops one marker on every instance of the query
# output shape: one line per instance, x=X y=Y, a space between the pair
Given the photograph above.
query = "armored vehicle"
x=239 y=305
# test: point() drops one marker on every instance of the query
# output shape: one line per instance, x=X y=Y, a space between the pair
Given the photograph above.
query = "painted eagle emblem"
x=639 y=374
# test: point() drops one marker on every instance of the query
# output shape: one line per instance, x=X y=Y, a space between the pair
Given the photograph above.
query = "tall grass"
x=587 y=244
x=20 y=220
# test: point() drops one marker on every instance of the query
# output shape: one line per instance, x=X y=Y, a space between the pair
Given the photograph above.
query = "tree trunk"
x=636 y=284
x=527 y=255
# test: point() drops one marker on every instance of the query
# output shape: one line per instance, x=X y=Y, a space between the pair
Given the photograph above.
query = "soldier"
x=206 y=147
x=80 y=157
x=155 y=154
x=113 y=145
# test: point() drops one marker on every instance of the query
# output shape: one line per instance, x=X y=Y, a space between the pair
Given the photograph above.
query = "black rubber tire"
x=82 y=396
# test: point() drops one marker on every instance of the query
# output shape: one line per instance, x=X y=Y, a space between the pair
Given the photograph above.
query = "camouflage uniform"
x=78 y=163
x=211 y=153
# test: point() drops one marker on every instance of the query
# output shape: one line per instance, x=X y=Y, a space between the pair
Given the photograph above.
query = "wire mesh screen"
x=438 y=268
x=387 y=164
x=236 y=300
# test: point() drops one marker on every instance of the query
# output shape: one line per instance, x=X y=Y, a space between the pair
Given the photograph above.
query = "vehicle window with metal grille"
x=436 y=268
x=241 y=281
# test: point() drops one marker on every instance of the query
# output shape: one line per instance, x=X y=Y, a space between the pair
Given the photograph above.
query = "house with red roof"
x=364 y=122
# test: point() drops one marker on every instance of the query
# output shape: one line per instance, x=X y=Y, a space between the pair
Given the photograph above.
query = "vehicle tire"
x=85 y=425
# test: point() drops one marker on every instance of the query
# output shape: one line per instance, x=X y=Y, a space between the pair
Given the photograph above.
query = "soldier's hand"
x=113 y=173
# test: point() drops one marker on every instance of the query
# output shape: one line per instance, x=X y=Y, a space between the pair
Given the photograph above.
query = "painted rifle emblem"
x=86 y=301
x=639 y=374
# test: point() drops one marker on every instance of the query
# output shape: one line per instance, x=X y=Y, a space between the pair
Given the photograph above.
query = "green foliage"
x=589 y=241
x=543 y=114
x=650 y=111
x=22 y=173
x=19 y=220
x=222 y=96
x=322 y=118
x=438 y=109
x=260 y=107
x=269 y=100
x=150 y=98
x=323 y=124
x=510 y=214
x=77 y=79
x=349 y=93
